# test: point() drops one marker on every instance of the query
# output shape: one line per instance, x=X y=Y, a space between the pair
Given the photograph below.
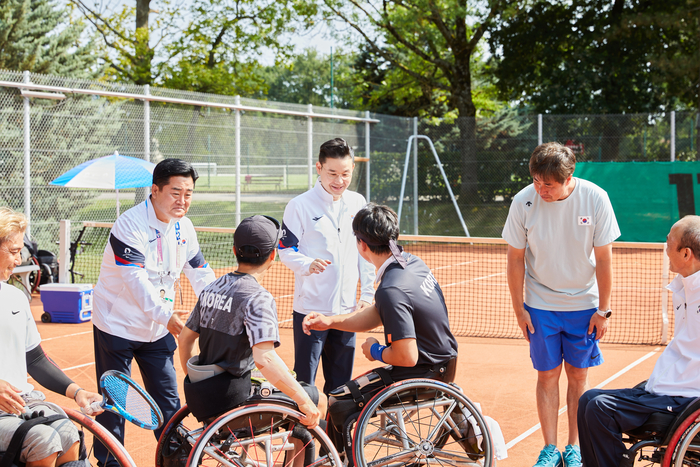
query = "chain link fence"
x=484 y=159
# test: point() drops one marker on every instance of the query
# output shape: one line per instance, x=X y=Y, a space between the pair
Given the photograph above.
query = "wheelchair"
x=90 y=431
x=666 y=439
x=410 y=423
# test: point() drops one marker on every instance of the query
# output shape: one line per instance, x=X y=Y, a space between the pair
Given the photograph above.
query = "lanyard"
x=159 y=249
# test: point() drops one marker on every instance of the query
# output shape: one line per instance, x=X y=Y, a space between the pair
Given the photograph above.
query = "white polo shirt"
x=18 y=335
x=677 y=371
x=558 y=239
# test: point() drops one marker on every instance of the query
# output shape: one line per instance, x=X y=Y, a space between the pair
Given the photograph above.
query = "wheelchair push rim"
x=233 y=440
x=420 y=422
x=98 y=433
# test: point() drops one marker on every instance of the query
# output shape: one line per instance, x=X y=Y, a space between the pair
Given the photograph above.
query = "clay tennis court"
x=496 y=372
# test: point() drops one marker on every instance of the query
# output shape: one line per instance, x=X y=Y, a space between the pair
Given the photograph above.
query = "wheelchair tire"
x=259 y=435
x=92 y=432
x=173 y=449
x=684 y=452
x=421 y=422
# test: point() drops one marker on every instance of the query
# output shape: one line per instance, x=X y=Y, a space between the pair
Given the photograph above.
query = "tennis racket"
x=121 y=395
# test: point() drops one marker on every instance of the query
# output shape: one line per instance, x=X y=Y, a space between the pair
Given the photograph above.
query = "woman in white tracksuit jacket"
x=318 y=227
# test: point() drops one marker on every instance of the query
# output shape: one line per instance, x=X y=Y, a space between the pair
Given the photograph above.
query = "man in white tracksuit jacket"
x=318 y=245
x=149 y=246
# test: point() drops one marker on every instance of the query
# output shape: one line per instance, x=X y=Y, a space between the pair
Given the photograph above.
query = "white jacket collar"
x=690 y=283
x=323 y=194
x=153 y=220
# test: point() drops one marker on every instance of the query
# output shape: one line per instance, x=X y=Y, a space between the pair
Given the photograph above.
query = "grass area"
x=440 y=218
x=202 y=213
x=227 y=183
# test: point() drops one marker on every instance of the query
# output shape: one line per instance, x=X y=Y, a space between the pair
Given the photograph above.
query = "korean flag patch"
x=584 y=220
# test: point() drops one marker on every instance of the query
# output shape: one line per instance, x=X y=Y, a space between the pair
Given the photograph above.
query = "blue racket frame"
x=116 y=406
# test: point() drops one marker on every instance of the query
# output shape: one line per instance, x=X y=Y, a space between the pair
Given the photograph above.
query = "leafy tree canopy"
x=306 y=79
x=40 y=36
x=596 y=57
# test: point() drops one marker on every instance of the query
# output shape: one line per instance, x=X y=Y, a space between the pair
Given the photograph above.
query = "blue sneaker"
x=572 y=456
x=549 y=457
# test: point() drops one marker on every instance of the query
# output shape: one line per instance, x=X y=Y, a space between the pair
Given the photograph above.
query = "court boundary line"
x=66 y=335
x=527 y=433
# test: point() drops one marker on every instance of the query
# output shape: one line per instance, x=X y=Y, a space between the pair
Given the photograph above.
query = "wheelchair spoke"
x=401 y=457
x=421 y=423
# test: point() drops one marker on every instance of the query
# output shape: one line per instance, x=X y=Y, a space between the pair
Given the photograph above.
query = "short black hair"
x=249 y=251
x=172 y=168
x=379 y=224
x=336 y=148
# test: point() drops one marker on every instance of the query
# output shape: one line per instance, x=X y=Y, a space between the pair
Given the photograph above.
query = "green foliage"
x=40 y=36
x=307 y=80
x=219 y=50
x=430 y=52
x=598 y=57
x=133 y=53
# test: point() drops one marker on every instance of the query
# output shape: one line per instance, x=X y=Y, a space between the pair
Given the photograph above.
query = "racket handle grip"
x=94 y=407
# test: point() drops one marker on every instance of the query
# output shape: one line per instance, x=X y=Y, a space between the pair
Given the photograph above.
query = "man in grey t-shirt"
x=560 y=231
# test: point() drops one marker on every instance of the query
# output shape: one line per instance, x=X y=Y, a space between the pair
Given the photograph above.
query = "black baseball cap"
x=259 y=232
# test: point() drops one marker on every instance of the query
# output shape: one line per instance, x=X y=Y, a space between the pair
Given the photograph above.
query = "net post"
x=237 y=137
x=664 y=298
x=310 y=146
x=27 y=159
x=63 y=250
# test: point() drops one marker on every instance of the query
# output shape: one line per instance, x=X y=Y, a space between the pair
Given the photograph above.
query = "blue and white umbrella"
x=113 y=172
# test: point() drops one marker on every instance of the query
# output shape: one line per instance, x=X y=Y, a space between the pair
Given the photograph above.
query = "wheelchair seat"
x=666 y=438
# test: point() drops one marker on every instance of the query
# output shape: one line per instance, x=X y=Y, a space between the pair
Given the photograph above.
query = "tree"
x=306 y=79
x=598 y=57
x=434 y=44
x=582 y=56
x=39 y=36
x=219 y=50
x=128 y=52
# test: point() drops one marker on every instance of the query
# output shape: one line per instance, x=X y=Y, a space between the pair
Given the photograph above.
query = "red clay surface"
x=494 y=372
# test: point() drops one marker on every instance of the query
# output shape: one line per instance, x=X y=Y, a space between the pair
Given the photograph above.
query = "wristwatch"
x=605 y=313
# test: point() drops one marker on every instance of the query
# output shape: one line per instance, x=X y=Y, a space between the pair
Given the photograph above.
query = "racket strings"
x=132 y=401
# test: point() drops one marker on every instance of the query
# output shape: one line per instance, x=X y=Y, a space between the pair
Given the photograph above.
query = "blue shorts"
x=563 y=335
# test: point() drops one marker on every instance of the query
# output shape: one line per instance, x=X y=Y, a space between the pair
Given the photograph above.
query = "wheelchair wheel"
x=421 y=422
x=685 y=444
x=93 y=431
x=176 y=440
x=262 y=435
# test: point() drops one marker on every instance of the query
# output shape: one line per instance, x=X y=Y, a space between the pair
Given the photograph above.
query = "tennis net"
x=470 y=271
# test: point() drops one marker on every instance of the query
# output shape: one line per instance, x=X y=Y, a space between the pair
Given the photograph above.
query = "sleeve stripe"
x=198 y=261
x=124 y=255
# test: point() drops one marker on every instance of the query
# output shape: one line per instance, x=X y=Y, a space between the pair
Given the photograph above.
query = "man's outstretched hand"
x=315 y=322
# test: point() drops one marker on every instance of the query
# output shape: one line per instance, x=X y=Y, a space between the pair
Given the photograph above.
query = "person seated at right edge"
x=235 y=320
x=604 y=414
x=408 y=303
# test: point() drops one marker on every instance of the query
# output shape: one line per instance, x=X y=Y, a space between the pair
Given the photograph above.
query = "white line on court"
x=453 y=265
x=67 y=335
x=474 y=280
x=512 y=443
x=70 y=368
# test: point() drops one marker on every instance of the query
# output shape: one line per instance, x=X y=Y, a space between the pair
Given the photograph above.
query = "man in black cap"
x=235 y=320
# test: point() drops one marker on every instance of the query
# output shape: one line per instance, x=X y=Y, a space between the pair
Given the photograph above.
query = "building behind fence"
x=253 y=156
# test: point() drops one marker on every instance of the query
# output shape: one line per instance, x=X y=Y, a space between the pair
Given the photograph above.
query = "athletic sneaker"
x=549 y=457
x=572 y=456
